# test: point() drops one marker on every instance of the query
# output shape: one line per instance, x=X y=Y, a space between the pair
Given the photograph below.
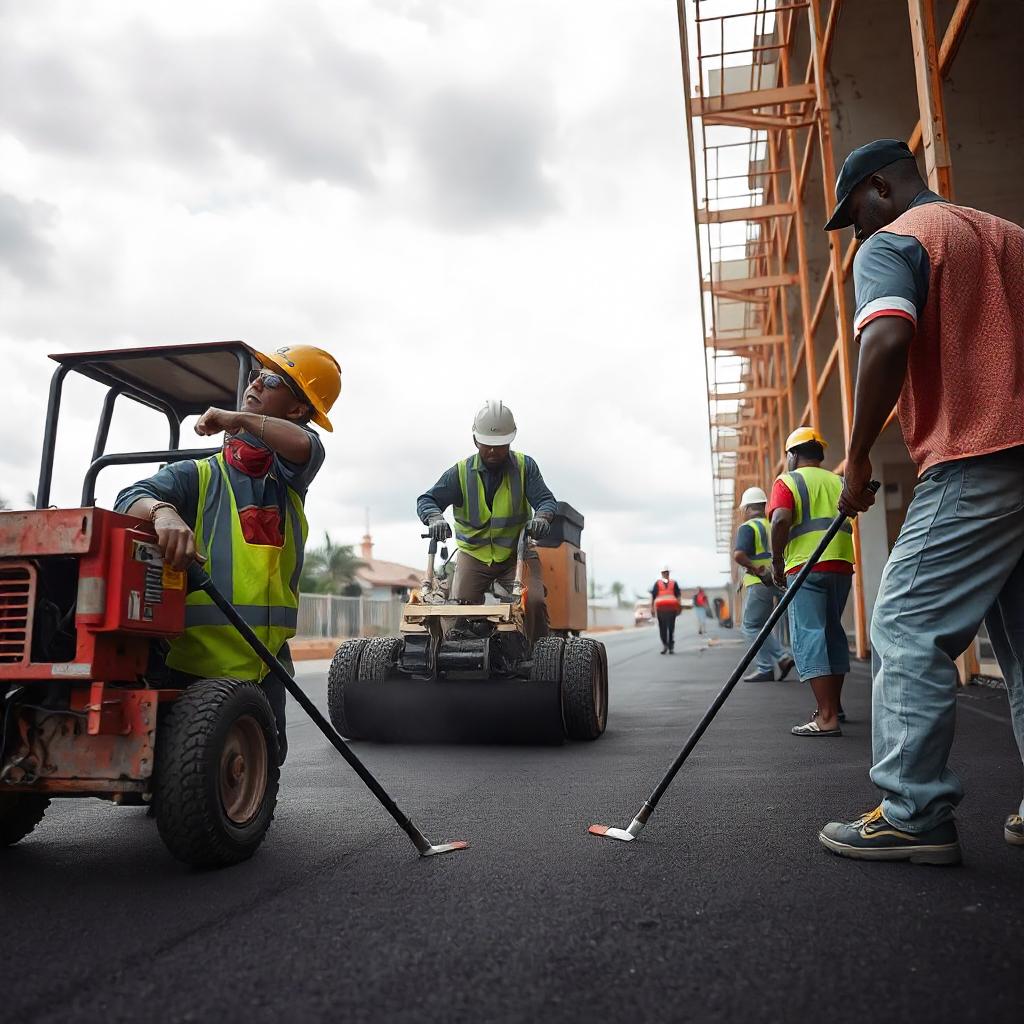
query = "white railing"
x=328 y=615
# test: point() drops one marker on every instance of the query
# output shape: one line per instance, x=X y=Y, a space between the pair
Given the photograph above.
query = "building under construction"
x=778 y=93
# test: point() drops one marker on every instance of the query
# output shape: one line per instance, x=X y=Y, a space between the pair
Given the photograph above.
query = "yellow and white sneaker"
x=871 y=837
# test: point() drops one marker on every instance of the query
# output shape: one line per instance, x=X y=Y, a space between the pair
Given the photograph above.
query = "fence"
x=327 y=615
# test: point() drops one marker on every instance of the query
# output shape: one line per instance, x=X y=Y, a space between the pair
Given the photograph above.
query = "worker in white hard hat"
x=752 y=553
x=666 y=604
x=491 y=494
x=802 y=506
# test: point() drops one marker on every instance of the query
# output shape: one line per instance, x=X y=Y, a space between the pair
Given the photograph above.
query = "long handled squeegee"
x=645 y=812
x=199 y=580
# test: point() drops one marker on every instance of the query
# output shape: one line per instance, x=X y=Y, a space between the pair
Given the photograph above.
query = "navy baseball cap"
x=860 y=164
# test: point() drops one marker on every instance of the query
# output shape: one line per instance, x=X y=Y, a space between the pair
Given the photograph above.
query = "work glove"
x=538 y=527
x=439 y=528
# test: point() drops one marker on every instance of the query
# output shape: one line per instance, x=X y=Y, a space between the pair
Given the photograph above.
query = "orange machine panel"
x=565 y=576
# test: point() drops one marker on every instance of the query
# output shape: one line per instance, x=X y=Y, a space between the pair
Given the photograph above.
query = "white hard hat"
x=665 y=568
x=494 y=424
x=753 y=496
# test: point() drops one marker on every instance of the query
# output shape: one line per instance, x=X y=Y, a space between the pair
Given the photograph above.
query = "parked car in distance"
x=642 y=614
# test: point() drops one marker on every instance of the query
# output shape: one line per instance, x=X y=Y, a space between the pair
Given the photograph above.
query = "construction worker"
x=803 y=504
x=666 y=606
x=940 y=321
x=701 y=610
x=752 y=553
x=241 y=511
x=491 y=494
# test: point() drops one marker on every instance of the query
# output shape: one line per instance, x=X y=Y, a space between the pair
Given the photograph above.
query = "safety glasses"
x=273 y=381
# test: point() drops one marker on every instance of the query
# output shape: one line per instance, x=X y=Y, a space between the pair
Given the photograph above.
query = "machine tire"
x=344 y=670
x=584 y=689
x=548 y=654
x=378 y=658
x=195 y=773
x=19 y=815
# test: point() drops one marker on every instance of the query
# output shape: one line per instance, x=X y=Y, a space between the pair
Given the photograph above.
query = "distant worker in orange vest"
x=666 y=606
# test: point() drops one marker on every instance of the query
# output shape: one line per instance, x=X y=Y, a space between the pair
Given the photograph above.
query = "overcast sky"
x=460 y=199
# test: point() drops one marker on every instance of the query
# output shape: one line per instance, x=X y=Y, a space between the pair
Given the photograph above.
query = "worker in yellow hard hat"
x=802 y=505
x=241 y=511
x=752 y=553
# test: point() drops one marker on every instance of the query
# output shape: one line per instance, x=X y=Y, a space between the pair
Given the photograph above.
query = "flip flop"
x=812 y=728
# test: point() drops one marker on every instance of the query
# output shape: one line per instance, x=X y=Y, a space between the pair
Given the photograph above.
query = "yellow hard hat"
x=315 y=371
x=802 y=435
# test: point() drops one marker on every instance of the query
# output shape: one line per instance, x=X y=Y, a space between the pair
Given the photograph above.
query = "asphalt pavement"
x=725 y=909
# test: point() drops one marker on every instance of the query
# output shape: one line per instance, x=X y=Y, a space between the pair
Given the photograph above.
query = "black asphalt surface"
x=725 y=909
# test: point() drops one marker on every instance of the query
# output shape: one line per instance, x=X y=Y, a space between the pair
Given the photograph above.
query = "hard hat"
x=802 y=435
x=665 y=568
x=753 y=496
x=316 y=373
x=494 y=424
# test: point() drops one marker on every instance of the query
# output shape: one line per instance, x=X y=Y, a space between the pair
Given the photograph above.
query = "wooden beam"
x=929 y=97
x=750 y=341
x=728 y=293
x=744 y=213
x=757 y=121
x=739 y=396
x=743 y=284
x=754 y=99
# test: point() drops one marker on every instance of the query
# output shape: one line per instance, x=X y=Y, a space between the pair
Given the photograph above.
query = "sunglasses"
x=273 y=381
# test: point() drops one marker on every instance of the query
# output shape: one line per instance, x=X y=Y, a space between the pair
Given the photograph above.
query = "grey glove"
x=439 y=528
x=538 y=527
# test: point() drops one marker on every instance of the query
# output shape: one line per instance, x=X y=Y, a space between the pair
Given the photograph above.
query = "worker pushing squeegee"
x=243 y=510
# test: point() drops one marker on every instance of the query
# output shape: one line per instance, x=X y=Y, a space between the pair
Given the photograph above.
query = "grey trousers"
x=473 y=578
x=959 y=560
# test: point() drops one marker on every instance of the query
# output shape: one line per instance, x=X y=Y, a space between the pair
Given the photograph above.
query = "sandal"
x=812 y=728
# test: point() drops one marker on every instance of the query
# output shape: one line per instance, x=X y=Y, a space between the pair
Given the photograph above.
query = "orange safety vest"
x=666 y=599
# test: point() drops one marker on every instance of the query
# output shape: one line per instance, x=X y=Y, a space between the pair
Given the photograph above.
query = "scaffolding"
x=756 y=80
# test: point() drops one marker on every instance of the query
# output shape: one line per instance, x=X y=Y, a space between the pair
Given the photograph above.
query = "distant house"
x=382 y=580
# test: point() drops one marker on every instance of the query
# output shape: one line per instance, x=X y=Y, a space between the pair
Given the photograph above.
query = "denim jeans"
x=816 y=627
x=959 y=560
x=758 y=602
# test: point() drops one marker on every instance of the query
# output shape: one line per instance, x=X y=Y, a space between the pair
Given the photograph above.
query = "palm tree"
x=329 y=568
x=617 y=589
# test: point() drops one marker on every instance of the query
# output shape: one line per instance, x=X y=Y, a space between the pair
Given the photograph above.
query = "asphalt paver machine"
x=87 y=706
x=470 y=673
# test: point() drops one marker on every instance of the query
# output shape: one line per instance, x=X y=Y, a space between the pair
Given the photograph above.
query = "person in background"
x=700 y=610
x=666 y=606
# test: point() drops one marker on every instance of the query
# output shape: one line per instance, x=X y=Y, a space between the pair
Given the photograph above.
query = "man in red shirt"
x=940 y=320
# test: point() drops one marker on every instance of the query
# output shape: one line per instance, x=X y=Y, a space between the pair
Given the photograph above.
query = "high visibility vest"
x=762 y=551
x=490 y=534
x=665 y=599
x=816 y=498
x=260 y=580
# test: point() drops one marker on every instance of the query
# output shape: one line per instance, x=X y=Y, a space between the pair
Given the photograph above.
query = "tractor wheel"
x=379 y=657
x=584 y=689
x=19 y=815
x=547 y=660
x=344 y=670
x=217 y=773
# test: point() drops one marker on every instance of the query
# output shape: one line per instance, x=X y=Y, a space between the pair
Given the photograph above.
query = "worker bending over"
x=752 y=553
x=241 y=511
x=803 y=505
x=491 y=494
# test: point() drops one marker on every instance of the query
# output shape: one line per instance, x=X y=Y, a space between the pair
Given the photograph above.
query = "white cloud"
x=460 y=199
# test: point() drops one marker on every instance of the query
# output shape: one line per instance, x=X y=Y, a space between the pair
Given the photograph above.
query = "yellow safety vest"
x=762 y=549
x=490 y=534
x=260 y=580
x=816 y=497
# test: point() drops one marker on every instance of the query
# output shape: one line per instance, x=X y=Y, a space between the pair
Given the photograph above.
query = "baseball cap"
x=860 y=164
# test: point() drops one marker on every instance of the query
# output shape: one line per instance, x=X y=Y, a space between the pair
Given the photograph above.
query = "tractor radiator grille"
x=17 y=597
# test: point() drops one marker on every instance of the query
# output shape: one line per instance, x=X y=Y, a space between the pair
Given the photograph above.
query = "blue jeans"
x=959 y=560
x=820 y=646
x=758 y=602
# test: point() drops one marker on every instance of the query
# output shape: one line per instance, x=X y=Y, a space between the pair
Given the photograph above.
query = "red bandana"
x=247 y=458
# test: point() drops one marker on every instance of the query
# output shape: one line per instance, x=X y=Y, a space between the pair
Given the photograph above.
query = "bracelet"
x=156 y=508
x=263 y=426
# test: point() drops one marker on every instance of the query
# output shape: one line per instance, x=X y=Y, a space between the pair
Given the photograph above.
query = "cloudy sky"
x=461 y=199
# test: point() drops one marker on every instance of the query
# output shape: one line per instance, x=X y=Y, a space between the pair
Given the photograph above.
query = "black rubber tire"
x=19 y=815
x=548 y=654
x=379 y=658
x=344 y=670
x=584 y=689
x=189 y=810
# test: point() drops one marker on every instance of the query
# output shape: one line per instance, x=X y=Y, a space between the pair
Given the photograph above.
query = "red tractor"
x=87 y=706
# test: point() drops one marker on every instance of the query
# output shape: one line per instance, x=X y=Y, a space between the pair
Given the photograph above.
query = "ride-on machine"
x=471 y=673
x=87 y=706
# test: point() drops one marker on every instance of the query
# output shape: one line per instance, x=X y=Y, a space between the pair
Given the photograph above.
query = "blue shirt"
x=448 y=491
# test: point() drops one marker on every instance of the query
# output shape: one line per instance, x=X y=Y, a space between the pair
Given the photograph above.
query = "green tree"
x=329 y=568
x=617 y=589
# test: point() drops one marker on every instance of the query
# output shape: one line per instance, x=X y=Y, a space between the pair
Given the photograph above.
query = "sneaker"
x=1013 y=830
x=785 y=667
x=871 y=837
x=760 y=677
